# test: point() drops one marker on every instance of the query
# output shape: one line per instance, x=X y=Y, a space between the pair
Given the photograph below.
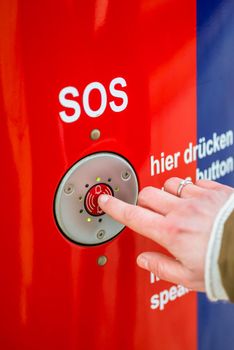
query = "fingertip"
x=103 y=199
x=143 y=262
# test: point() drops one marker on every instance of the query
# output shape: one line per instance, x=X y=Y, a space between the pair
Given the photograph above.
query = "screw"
x=68 y=189
x=102 y=260
x=101 y=234
x=95 y=134
x=125 y=175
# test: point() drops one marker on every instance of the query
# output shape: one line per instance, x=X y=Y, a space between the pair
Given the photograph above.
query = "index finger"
x=140 y=220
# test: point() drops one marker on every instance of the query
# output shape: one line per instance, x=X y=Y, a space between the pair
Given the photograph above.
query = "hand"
x=182 y=225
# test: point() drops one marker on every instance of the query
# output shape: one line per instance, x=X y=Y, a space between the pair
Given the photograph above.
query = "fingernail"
x=143 y=262
x=103 y=198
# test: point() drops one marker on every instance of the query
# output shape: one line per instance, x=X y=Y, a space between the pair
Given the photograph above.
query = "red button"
x=91 y=198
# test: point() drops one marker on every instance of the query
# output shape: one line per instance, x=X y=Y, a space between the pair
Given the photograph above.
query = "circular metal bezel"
x=71 y=215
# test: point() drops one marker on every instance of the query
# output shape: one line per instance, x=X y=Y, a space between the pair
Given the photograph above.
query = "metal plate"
x=70 y=210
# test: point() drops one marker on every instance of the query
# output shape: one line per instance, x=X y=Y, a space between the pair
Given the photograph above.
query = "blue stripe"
x=215 y=108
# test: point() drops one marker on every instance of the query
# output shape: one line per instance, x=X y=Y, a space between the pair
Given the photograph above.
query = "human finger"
x=188 y=190
x=210 y=185
x=141 y=220
x=164 y=267
x=157 y=200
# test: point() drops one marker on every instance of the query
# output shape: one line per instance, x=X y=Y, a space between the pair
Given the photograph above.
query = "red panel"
x=54 y=294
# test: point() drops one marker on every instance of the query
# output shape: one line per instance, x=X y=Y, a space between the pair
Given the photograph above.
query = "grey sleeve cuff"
x=213 y=283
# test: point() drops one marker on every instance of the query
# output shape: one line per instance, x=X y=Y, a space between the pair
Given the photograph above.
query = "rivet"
x=102 y=260
x=125 y=175
x=68 y=189
x=101 y=234
x=95 y=134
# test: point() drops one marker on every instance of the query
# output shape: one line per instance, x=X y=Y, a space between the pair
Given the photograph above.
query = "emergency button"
x=91 y=199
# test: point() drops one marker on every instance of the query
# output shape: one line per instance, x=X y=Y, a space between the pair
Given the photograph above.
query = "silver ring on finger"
x=183 y=183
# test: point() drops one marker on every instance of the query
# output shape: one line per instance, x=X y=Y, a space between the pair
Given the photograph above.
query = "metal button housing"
x=102 y=172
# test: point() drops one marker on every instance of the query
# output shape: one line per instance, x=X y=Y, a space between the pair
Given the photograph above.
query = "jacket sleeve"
x=219 y=267
x=226 y=257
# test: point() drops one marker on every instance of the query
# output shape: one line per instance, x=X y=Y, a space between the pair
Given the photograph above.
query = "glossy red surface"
x=53 y=293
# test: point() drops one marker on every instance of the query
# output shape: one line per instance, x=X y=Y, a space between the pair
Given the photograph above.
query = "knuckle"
x=170 y=181
x=216 y=197
x=210 y=195
x=225 y=191
x=201 y=183
x=174 y=228
x=129 y=213
x=192 y=206
x=187 y=281
x=143 y=194
x=213 y=185
x=190 y=280
x=158 y=269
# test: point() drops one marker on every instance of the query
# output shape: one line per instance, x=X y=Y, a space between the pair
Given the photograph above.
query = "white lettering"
x=69 y=103
x=165 y=163
x=216 y=170
x=118 y=93
x=90 y=87
x=164 y=297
